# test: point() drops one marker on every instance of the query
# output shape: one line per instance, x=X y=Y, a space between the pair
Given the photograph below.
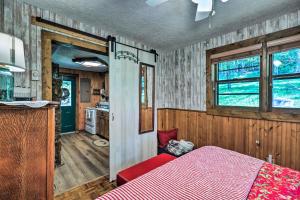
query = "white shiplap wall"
x=181 y=75
x=15 y=19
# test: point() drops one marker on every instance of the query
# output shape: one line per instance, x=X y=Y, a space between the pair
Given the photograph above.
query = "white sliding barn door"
x=127 y=146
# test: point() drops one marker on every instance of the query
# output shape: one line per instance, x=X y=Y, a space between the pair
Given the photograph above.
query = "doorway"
x=68 y=104
x=82 y=158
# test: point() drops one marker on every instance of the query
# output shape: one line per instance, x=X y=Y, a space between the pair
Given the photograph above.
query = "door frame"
x=48 y=38
x=61 y=34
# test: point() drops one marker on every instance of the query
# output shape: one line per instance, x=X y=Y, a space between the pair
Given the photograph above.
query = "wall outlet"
x=35 y=75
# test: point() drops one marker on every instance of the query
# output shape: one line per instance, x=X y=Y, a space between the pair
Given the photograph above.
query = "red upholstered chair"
x=142 y=168
x=165 y=136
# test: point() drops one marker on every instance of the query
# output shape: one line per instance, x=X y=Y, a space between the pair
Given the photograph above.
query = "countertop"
x=28 y=104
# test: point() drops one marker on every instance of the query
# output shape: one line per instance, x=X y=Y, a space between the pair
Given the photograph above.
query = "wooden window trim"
x=242 y=80
x=265 y=111
x=271 y=51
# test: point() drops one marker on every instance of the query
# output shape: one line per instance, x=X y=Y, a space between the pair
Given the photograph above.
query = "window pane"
x=239 y=100
x=66 y=93
x=286 y=93
x=239 y=94
x=239 y=69
x=287 y=62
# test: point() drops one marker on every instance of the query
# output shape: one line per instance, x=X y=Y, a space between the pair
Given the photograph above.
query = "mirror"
x=146 y=98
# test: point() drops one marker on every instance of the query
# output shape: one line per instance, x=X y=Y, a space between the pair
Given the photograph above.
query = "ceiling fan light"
x=90 y=62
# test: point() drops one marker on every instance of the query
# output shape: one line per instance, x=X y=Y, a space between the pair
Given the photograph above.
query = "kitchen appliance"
x=91 y=120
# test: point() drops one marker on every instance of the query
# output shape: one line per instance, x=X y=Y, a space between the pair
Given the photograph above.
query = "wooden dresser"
x=27 y=152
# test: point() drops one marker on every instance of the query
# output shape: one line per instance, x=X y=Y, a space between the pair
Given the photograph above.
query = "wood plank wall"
x=181 y=73
x=15 y=19
x=281 y=139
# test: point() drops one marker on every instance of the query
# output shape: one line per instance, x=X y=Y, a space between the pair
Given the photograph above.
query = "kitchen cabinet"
x=103 y=127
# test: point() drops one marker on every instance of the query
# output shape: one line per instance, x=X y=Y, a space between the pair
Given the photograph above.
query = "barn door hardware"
x=127 y=54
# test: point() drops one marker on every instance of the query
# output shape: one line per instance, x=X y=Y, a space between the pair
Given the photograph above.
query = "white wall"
x=181 y=73
x=15 y=19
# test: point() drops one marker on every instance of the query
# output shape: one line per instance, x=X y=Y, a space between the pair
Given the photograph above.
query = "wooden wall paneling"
x=47 y=68
x=146 y=119
x=297 y=150
x=283 y=144
x=192 y=126
x=293 y=146
x=281 y=139
x=225 y=126
x=209 y=129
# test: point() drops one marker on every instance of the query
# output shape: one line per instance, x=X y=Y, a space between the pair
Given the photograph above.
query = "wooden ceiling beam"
x=52 y=26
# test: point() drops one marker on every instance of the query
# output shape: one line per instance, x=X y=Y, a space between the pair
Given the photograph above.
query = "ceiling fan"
x=205 y=8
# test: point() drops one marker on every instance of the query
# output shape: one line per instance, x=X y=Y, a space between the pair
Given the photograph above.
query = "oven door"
x=90 y=117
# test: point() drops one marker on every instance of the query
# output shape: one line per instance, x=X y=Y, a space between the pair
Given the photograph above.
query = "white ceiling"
x=170 y=24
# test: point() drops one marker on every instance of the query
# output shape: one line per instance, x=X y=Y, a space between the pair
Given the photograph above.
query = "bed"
x=212 y=173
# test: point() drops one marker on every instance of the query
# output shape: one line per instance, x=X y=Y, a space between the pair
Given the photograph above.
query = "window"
x=238 y=82
x=85 y=90
x=286 y=78
x=256 y=78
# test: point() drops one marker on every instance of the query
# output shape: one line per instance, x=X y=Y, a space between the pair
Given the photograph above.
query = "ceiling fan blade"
x=201 y=15
x=204 y=9
x=205 y=6
x=154 y=3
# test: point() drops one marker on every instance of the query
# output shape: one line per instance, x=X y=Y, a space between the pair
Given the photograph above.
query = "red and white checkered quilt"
x=206 y=173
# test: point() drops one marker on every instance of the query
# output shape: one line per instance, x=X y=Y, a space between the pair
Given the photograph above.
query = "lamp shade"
x=12 y=53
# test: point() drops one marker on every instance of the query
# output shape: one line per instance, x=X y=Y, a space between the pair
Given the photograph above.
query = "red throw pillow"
x=165 y=136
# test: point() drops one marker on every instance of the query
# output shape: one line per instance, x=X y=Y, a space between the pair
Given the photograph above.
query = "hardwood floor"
x=82 y=161
x=88 y=191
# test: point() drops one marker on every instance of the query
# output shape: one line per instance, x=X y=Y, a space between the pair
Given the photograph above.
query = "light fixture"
x=12 y=53
x=224 y=1
x=90 y=62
